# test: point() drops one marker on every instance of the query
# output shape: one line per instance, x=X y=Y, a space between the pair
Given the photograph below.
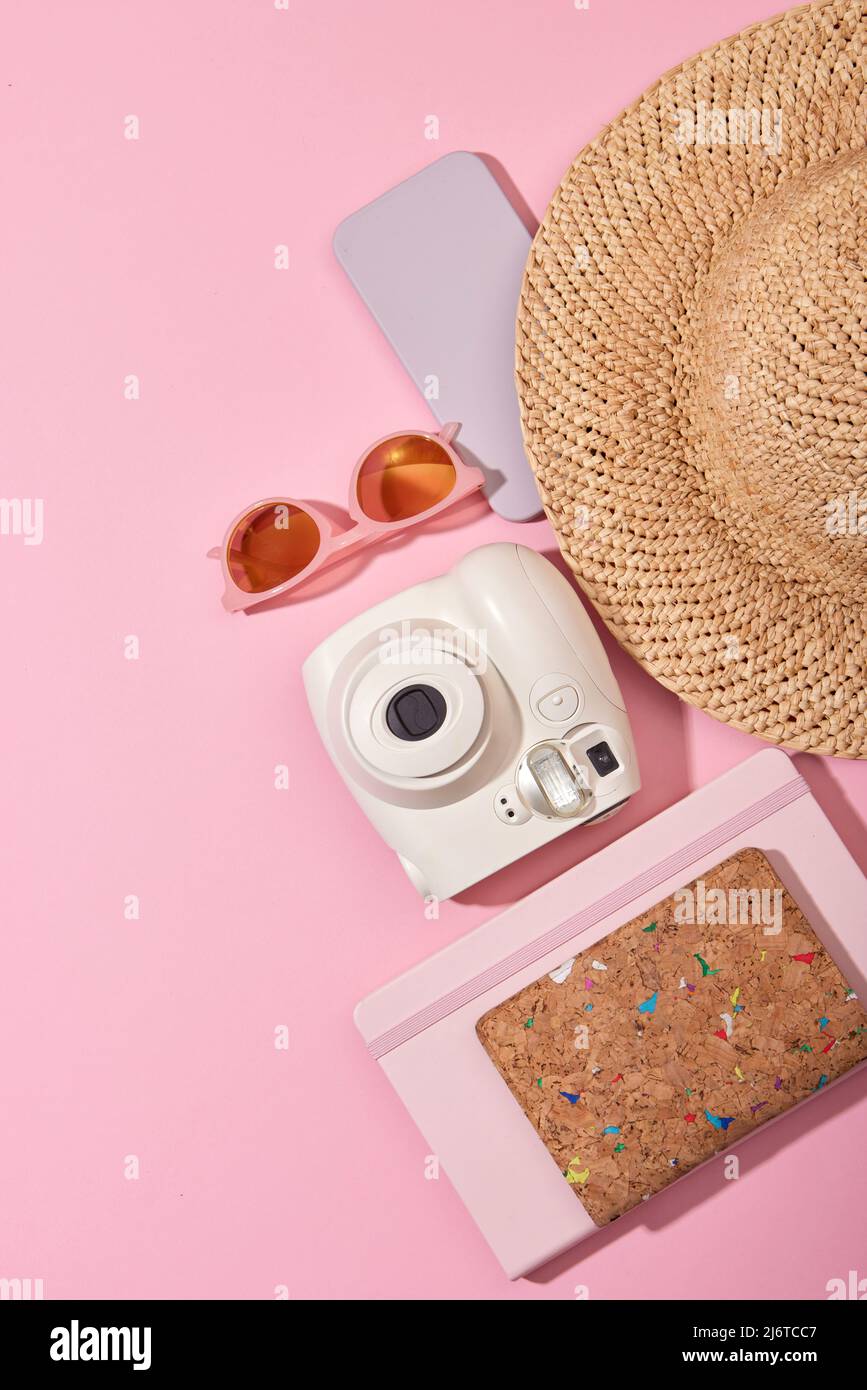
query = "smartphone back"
x=438 y=261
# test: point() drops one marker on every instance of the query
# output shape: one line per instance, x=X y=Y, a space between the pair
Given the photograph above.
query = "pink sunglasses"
x=399 y=481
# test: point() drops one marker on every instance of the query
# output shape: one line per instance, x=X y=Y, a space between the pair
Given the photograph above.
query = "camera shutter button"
x=561 y=704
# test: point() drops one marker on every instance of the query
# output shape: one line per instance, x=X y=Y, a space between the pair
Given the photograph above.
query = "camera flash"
x=556 y=781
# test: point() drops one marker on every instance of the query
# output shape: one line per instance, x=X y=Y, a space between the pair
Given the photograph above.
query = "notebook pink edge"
x=421 y=1025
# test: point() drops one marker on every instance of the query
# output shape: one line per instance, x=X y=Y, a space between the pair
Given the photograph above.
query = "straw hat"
x=691 y=358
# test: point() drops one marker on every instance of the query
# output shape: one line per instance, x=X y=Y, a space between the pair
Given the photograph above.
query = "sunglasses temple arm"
x=449 y=431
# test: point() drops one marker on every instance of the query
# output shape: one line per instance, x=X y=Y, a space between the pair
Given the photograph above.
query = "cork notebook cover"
x=676 y=1035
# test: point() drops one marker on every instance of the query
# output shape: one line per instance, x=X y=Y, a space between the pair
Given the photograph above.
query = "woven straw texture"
x=691 y=359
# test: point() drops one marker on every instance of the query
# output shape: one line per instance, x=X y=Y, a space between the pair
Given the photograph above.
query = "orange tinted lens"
x=270 y=546
x=404 y=477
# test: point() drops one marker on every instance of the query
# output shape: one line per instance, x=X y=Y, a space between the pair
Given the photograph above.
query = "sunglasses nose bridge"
x=358 y=536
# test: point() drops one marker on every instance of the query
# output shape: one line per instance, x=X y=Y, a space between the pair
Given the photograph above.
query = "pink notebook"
x=456 y=1035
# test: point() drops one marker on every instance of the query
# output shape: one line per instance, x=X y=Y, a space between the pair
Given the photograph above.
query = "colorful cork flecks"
x=571 y=1171
x=720 y=1121
x=688 y=1047
x=705 y=968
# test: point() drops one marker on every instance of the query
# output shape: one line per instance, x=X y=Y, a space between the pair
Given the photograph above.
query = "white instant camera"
x=474 y=717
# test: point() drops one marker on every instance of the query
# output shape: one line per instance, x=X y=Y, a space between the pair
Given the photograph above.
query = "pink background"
x=155 y=776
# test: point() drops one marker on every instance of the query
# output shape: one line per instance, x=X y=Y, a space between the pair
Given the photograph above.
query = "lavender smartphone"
x=438 y=261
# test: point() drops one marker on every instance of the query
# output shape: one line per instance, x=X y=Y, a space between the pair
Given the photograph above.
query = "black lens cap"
x=416 y=712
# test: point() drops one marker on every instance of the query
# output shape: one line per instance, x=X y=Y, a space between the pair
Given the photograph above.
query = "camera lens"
x=416 y=712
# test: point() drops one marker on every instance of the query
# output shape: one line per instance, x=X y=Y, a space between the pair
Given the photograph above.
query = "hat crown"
x=774 y=365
